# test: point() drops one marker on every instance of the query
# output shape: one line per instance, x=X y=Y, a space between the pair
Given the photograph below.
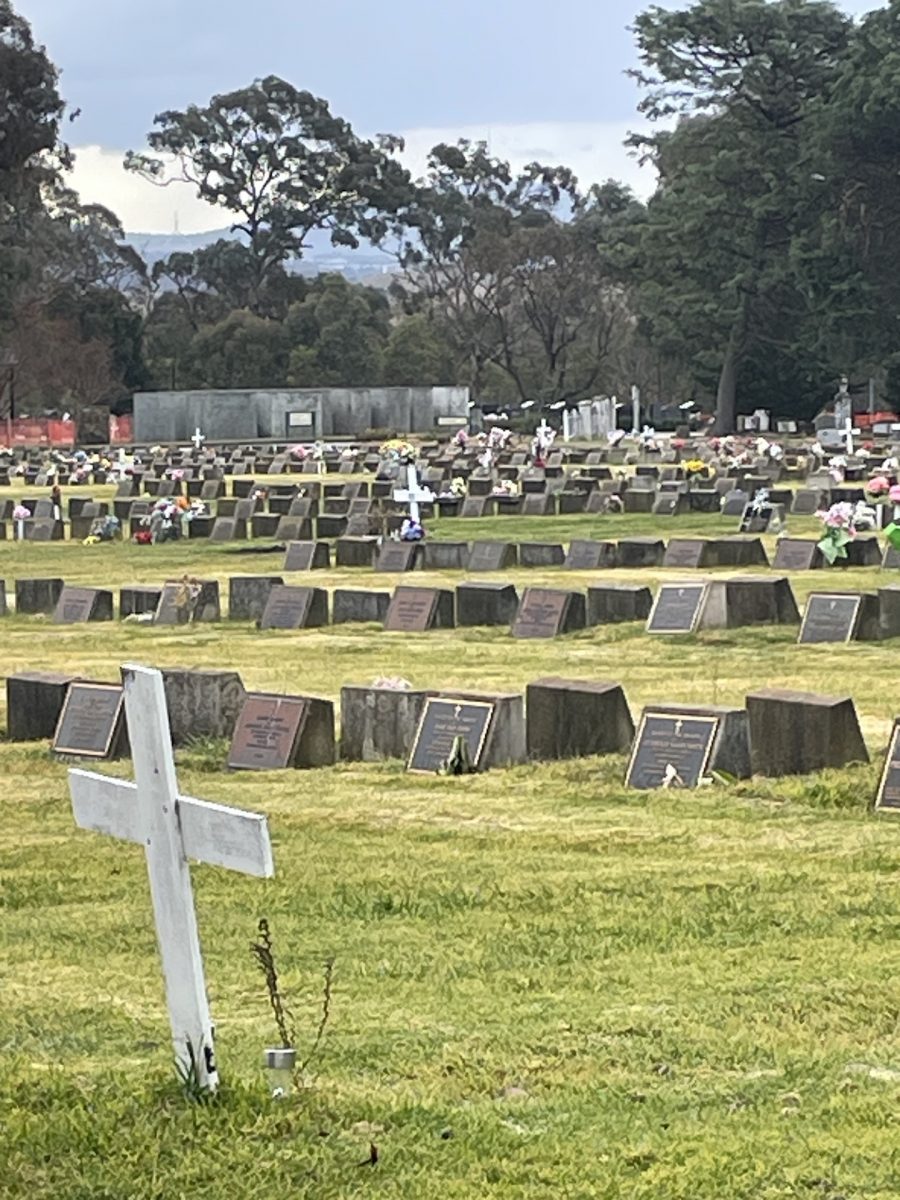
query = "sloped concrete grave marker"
x=172 y=829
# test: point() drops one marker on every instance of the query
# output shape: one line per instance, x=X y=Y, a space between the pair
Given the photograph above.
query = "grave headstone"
x=138 y=599
x=486 y=604
x=188 y=601
x=889 y=612
x=677 y=745
x=201 y=702
x=749 y=600
x=796 y=733
x=492 y=556
x=359 y=606
x=279 y=732
x=356 y=552
x=585 y=555
x=839 y=617
x=445 y=556
x=686 y=553
x=291 y=607
x=396 y=557
x=541 y=554
x=307 y=556
x=548 y=613
x=612 y=604
x=797 y=554
x=34 y=700
x=442 y=722
x=419 y=609
x=294 y=529
x=248 y=595
x=807 y=502
x=38 y=595
x=575 y=718
x=379 y=722
x=678 y=608
x=641 y=552
x=91 y=724
x=78 y=604
x=888 y=794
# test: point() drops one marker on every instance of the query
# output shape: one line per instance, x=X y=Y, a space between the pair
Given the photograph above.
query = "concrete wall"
x=335 y=412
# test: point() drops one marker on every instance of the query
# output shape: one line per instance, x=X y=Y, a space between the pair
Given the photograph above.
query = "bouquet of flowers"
x=842 y=523
x=411 y=531
x=506 y=487
x=696 y=468
x=398 y=450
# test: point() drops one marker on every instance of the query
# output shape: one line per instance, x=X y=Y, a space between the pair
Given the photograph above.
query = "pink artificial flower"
x=878 y=485
x=894 y=493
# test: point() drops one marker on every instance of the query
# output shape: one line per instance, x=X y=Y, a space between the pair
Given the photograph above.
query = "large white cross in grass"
x=172 y=829
x=413 y=494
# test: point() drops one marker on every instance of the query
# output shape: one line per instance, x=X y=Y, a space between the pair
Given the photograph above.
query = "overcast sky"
x=538 y=80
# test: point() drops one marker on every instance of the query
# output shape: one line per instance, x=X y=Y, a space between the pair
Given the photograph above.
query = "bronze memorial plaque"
x=266 y=733
x=411 y=610
x=685 y=553
x=829 y=618
x=677 y=608
x=442 y=722
x=671 y=750
x=542 y=613
x=91 y=722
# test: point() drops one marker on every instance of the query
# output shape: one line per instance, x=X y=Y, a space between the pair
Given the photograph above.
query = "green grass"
x=546 y=985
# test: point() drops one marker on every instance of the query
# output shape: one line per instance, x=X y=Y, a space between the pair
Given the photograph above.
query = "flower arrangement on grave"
x=20 y=516
x=103 y=529
x=461 y=437
x=841 y=524
x=398 y=450
x=412 y=531
x=458 y=487
x=299 y=452
x=696 y=468
x=506 y=489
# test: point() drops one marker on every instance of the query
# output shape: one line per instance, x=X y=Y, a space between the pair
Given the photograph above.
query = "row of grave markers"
x=678 y=608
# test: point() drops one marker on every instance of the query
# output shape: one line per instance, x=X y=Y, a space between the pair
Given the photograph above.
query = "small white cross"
x=412 y=494
x=198 y=439
x=171 y=828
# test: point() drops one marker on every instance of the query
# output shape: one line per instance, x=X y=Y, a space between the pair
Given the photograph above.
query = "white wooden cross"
x=544 y=432
x=412 y=494
x=172 y=829
x=198 y=439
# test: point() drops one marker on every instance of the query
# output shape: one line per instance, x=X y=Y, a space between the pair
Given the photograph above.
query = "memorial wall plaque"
x=677 y=608
x=294 y=608
x=671 y=750
x=542 y=613
x=796 y=554
x=443 y=721
x=586 y=555
x=266 y=734
x=492 y=556
x=829 y=618
x=888 y=796
x=411 y=610
x=91 y=722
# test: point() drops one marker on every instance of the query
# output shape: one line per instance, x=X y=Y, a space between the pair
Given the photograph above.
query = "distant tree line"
x=764 y=265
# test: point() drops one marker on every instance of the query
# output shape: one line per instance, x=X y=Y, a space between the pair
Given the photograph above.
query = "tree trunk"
x=726 y=394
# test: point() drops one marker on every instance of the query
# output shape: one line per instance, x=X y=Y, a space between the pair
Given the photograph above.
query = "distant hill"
x=362 y=264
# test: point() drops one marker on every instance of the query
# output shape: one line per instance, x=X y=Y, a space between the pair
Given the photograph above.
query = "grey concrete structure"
x=297 y=414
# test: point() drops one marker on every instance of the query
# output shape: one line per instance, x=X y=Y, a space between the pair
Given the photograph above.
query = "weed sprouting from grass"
x=264 y=955
x=188 y=1074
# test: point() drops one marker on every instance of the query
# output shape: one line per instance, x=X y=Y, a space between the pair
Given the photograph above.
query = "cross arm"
x=210 y=833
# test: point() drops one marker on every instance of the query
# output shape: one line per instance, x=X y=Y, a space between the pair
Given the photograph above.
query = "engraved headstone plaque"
x=888 y=796
x=266 y=733
x=671 y=750
x=677 y=608
x=829 y=618
x=91 y=722
x=443 y=721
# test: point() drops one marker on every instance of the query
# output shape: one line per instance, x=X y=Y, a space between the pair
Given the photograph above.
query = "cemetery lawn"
x=544 y=985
